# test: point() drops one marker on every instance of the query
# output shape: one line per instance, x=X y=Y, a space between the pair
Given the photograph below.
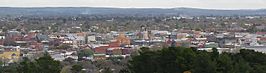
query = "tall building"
x=122 y=39
x=145 y=33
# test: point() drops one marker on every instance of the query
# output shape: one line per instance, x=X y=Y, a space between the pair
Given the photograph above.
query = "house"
x=261 y=34
x=80 y=38
x=30 y=36
x=2 y=37
x=1 y=42
x=36 y=45
x=100 y=57
x=58 y=57
x=100 y=50
x=211 y=45
x=62 y=55
x=13 y=33
x=91 y=38
x=127 y=51
x=10 y=53
x=115 y=52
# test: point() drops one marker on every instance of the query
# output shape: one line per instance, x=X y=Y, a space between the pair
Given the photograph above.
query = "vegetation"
x=44 y=64
x=167 y=60
x=85 y=53
x=76 y=68
x=179 y=60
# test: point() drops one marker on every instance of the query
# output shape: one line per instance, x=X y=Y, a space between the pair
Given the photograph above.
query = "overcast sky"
x=207 y=4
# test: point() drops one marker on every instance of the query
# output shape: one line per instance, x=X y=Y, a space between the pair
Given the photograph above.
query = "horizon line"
x=128 y=7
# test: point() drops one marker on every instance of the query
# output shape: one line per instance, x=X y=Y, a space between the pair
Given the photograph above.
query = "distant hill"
x=50 y=11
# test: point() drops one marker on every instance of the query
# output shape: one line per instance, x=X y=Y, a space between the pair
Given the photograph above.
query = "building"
x=91 y=38
x=10 y=54
x=122 y=39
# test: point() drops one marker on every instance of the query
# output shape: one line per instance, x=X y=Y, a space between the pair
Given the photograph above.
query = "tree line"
x=189 y=60
x=166 y=60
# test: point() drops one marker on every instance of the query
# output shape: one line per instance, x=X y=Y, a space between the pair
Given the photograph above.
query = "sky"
x=205 y=4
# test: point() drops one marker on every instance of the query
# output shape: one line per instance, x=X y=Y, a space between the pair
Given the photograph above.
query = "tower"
x=145 y=33
x=122 y=39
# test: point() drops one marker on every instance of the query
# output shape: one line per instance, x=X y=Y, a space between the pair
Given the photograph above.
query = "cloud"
x=212 y=4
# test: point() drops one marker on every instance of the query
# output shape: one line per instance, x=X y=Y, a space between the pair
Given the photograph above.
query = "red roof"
x=16 y=38
x=101 y=49
x=260 y=33
x=262 y=39
x=114 y=44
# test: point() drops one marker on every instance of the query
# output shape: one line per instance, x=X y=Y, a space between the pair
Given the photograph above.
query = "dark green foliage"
x=9 y=69
x=26 y=66
x=179 y=60
x=107 y=70
x=85 y=53
x=76 y=68
x=224 y=63
x=47 y=64
x=125 y=70
x=203 y=64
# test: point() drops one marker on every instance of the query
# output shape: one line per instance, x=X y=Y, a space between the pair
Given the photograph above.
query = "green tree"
x=204 y=64
x=85 y=53
x=215 y=53
x=179 y=60
x=241 y=66
x=26 y=66
x=145 y=63
x=107 y=70
x=11 y=68
x=47 y=64
x=76 y=68
x=224 y=63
